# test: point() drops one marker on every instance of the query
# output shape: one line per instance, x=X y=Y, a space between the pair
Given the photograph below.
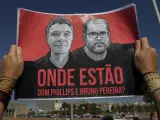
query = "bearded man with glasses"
x=97 y=39
x=97 y=49
x=98 y=53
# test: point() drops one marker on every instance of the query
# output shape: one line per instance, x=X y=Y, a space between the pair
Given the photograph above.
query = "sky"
x=147 y=19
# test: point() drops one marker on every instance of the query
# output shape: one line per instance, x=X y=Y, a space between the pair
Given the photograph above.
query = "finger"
x=4 y=57
x=21 y=68
x=3 y=60
x=144 y=43
x=137 y=47
x=155 y=57
x=13 y=50
x=19 y=55
x=153 y=49
x=20 y=60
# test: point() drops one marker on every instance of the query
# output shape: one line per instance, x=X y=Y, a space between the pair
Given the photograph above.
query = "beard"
x=98 y=48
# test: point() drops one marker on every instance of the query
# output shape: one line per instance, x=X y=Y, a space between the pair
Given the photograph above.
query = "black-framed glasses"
x=103 y=34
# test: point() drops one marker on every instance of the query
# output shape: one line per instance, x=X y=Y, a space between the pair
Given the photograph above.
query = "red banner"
x=78 y=55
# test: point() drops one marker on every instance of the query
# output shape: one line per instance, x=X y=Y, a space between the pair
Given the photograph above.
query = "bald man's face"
x=97 y=37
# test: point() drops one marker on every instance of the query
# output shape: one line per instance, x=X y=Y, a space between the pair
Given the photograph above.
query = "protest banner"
x=78 y=55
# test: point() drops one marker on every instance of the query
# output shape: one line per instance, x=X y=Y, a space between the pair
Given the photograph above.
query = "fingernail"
x=137 y=41
x=19 y=49
x=144 y=38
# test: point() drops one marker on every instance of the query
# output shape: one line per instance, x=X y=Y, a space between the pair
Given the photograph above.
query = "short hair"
x=59 y=20
x=85 y=25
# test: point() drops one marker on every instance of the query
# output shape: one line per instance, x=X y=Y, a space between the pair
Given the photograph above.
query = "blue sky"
x=147 y=19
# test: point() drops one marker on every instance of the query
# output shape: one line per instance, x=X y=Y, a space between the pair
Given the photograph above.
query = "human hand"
x=145 y=57
x=12 y=65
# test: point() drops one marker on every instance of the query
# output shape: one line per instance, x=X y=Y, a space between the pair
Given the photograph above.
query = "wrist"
x=7 y=84
x=145 y=73
x=152 y=81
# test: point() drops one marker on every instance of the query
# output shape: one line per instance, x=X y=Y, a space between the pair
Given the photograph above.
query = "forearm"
x=2 y=109
x=11 y=68
x=7 y=85
x=4 y=100
x=152 y=82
